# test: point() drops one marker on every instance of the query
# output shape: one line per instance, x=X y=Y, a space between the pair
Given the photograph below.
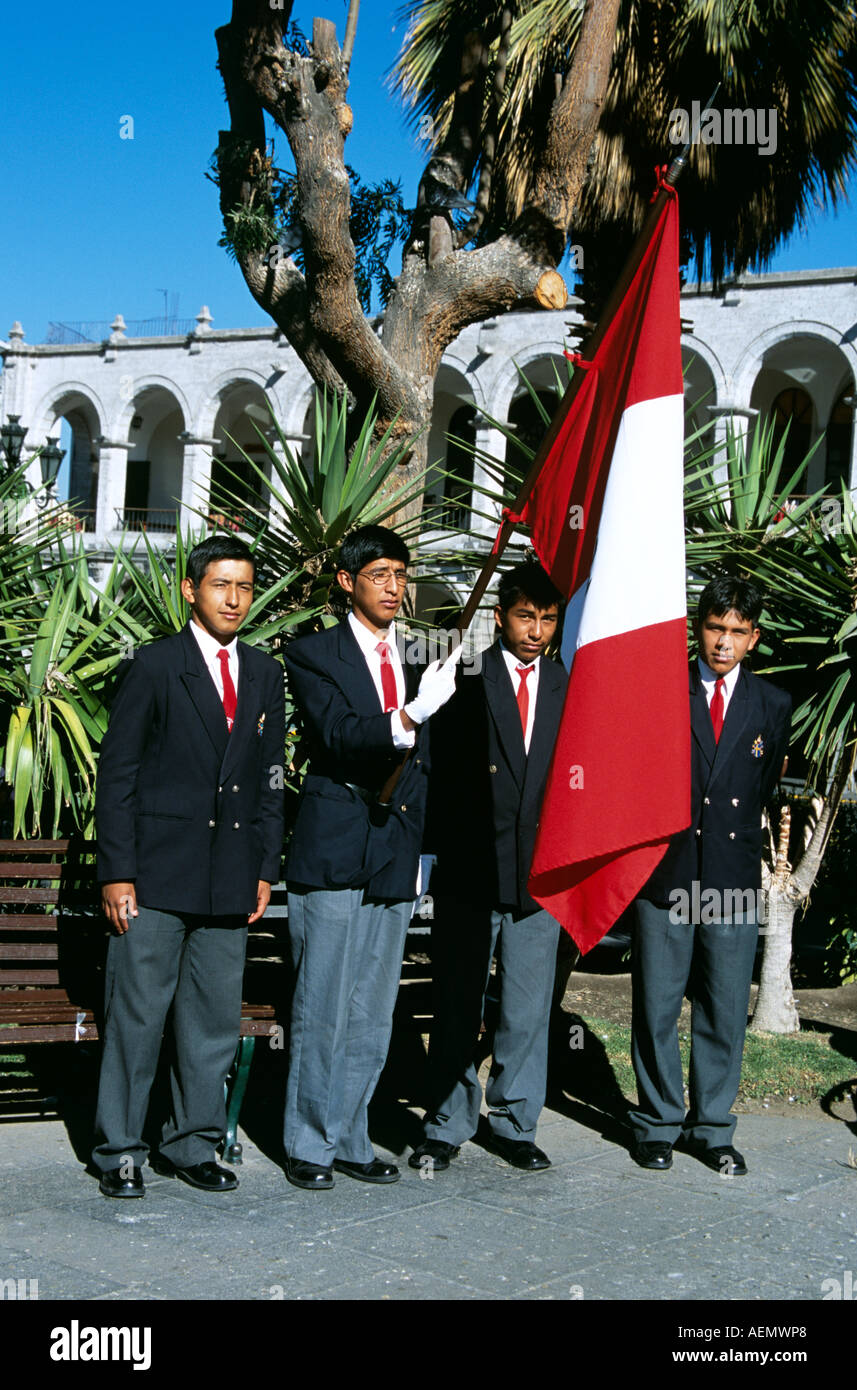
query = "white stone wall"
x=746 y=342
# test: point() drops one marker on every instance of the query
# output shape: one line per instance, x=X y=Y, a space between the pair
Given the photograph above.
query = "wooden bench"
x=53 y=942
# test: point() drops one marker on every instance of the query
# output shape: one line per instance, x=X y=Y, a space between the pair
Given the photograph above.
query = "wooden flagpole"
x=587 y=353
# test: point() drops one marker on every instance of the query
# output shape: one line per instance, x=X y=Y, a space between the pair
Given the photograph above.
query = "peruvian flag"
x=607 y=522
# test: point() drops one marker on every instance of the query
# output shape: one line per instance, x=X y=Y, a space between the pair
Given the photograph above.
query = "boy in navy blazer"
x=698 y=915
x=189 y=824
x=491 y=751
x=353 y=862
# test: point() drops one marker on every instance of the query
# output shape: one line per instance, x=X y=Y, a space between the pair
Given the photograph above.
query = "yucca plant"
x=306 y=509
x=52 y=687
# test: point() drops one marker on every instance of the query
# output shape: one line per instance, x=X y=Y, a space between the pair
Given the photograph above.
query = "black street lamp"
x=50 y=460
x=12 y=436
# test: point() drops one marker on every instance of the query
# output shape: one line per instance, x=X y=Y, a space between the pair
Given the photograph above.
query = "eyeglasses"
x=380 y=577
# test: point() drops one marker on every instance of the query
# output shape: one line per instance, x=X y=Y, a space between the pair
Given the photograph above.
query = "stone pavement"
x=593 y=1226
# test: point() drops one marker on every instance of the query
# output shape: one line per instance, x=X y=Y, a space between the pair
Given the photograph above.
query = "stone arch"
x=800 y=376
x=215 y=391
x=536 y=361
x=547 y=375
x=153 y=421
x=75 y=414
x=242 y=413
x=700 y=399
x=449 y=499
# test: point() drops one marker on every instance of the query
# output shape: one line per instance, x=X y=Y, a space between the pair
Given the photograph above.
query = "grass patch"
x=802 y=1066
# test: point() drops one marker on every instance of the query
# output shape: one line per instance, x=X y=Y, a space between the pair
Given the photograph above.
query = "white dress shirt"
x=709 y=680
x=210 y=647
x=367 y=641
x=532 y=682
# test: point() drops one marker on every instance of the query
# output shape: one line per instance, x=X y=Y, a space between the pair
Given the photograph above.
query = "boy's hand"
x=119 y=904
x=263 y=897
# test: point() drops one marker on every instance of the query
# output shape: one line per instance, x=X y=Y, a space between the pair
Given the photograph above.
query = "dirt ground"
x=609 y=997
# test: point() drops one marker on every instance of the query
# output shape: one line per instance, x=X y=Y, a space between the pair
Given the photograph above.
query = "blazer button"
x=699 y=832
x=492 y=767
x=236 y=826
x=731 y=834
x=707 y=800
x=403 y=808
x=212 y=824
x=220 y=789
x=235 y=789
x=734 y=801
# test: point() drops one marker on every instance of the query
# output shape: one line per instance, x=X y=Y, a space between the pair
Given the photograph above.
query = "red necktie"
x=524 y=696
x=230 y=699
x=716 y=708
x=388 y=679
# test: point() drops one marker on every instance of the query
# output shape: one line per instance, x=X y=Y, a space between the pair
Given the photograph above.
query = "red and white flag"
x=607 y=522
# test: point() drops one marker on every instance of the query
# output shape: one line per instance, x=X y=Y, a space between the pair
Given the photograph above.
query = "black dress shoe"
x=654 y=1154
x=723 y=1160
x=313 y=1177
x=376 y=1171
x=209 y=1177
x=520 y=1153
x=116 y=1183
x=433 y=1155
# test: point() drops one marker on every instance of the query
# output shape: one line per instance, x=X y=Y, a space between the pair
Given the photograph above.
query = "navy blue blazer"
x=731 y=781
x=341 y=838
x=190 y=813
x=486 y=792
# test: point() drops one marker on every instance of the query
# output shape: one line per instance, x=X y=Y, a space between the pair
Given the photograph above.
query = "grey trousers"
x=196 y=965
x=464 y=938
x=347 y=956
x=717 y=958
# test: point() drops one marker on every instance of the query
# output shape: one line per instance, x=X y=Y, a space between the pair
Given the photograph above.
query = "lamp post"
x=50 y=460
x=12 y=436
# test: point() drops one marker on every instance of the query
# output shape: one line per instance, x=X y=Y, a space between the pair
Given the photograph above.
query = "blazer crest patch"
x=757 y=747
x=260 y=725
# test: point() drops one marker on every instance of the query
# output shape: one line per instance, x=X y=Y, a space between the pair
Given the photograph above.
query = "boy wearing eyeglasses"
x=353 y=862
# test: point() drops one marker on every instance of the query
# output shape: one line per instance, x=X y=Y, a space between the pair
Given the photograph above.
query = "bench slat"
x=28 y=921
x=50 y=1032
x=31 y=870
x=29 y=895
x=30 y=977
x=32 y=950
x=37 y=846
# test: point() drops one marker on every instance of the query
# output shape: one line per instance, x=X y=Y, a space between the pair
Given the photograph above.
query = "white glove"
x=436 y=687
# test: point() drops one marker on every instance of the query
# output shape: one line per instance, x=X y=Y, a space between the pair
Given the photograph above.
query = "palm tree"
x=770 y=56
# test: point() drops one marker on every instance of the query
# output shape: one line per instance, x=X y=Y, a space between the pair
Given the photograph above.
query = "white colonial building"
x=148 y=421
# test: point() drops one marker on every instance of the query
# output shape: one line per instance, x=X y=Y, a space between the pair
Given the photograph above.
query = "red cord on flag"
x=507 y=518
x=576 y=359
x=661 y=185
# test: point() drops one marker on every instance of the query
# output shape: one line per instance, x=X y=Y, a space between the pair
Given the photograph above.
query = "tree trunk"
x=775 y=1010
x=442 y=288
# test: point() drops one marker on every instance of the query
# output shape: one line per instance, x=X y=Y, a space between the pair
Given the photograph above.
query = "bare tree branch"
x=451 y=165
x=350 y=33
x=561 y=170
x=489 y=139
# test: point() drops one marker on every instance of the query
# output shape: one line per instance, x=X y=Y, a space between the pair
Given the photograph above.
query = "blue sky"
x=94 y=225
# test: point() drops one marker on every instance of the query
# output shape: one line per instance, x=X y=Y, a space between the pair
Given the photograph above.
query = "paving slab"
x=592 y=1227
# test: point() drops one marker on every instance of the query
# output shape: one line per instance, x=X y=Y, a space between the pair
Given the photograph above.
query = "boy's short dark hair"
x=527 y=580
x=727 y=592
x=215 y=548
x=370 y=543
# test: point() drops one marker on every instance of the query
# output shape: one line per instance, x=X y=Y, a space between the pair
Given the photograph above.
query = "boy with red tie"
x=697 y=917
x=190 y=831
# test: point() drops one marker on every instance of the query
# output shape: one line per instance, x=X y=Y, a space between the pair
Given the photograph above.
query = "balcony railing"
x=161 y=520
